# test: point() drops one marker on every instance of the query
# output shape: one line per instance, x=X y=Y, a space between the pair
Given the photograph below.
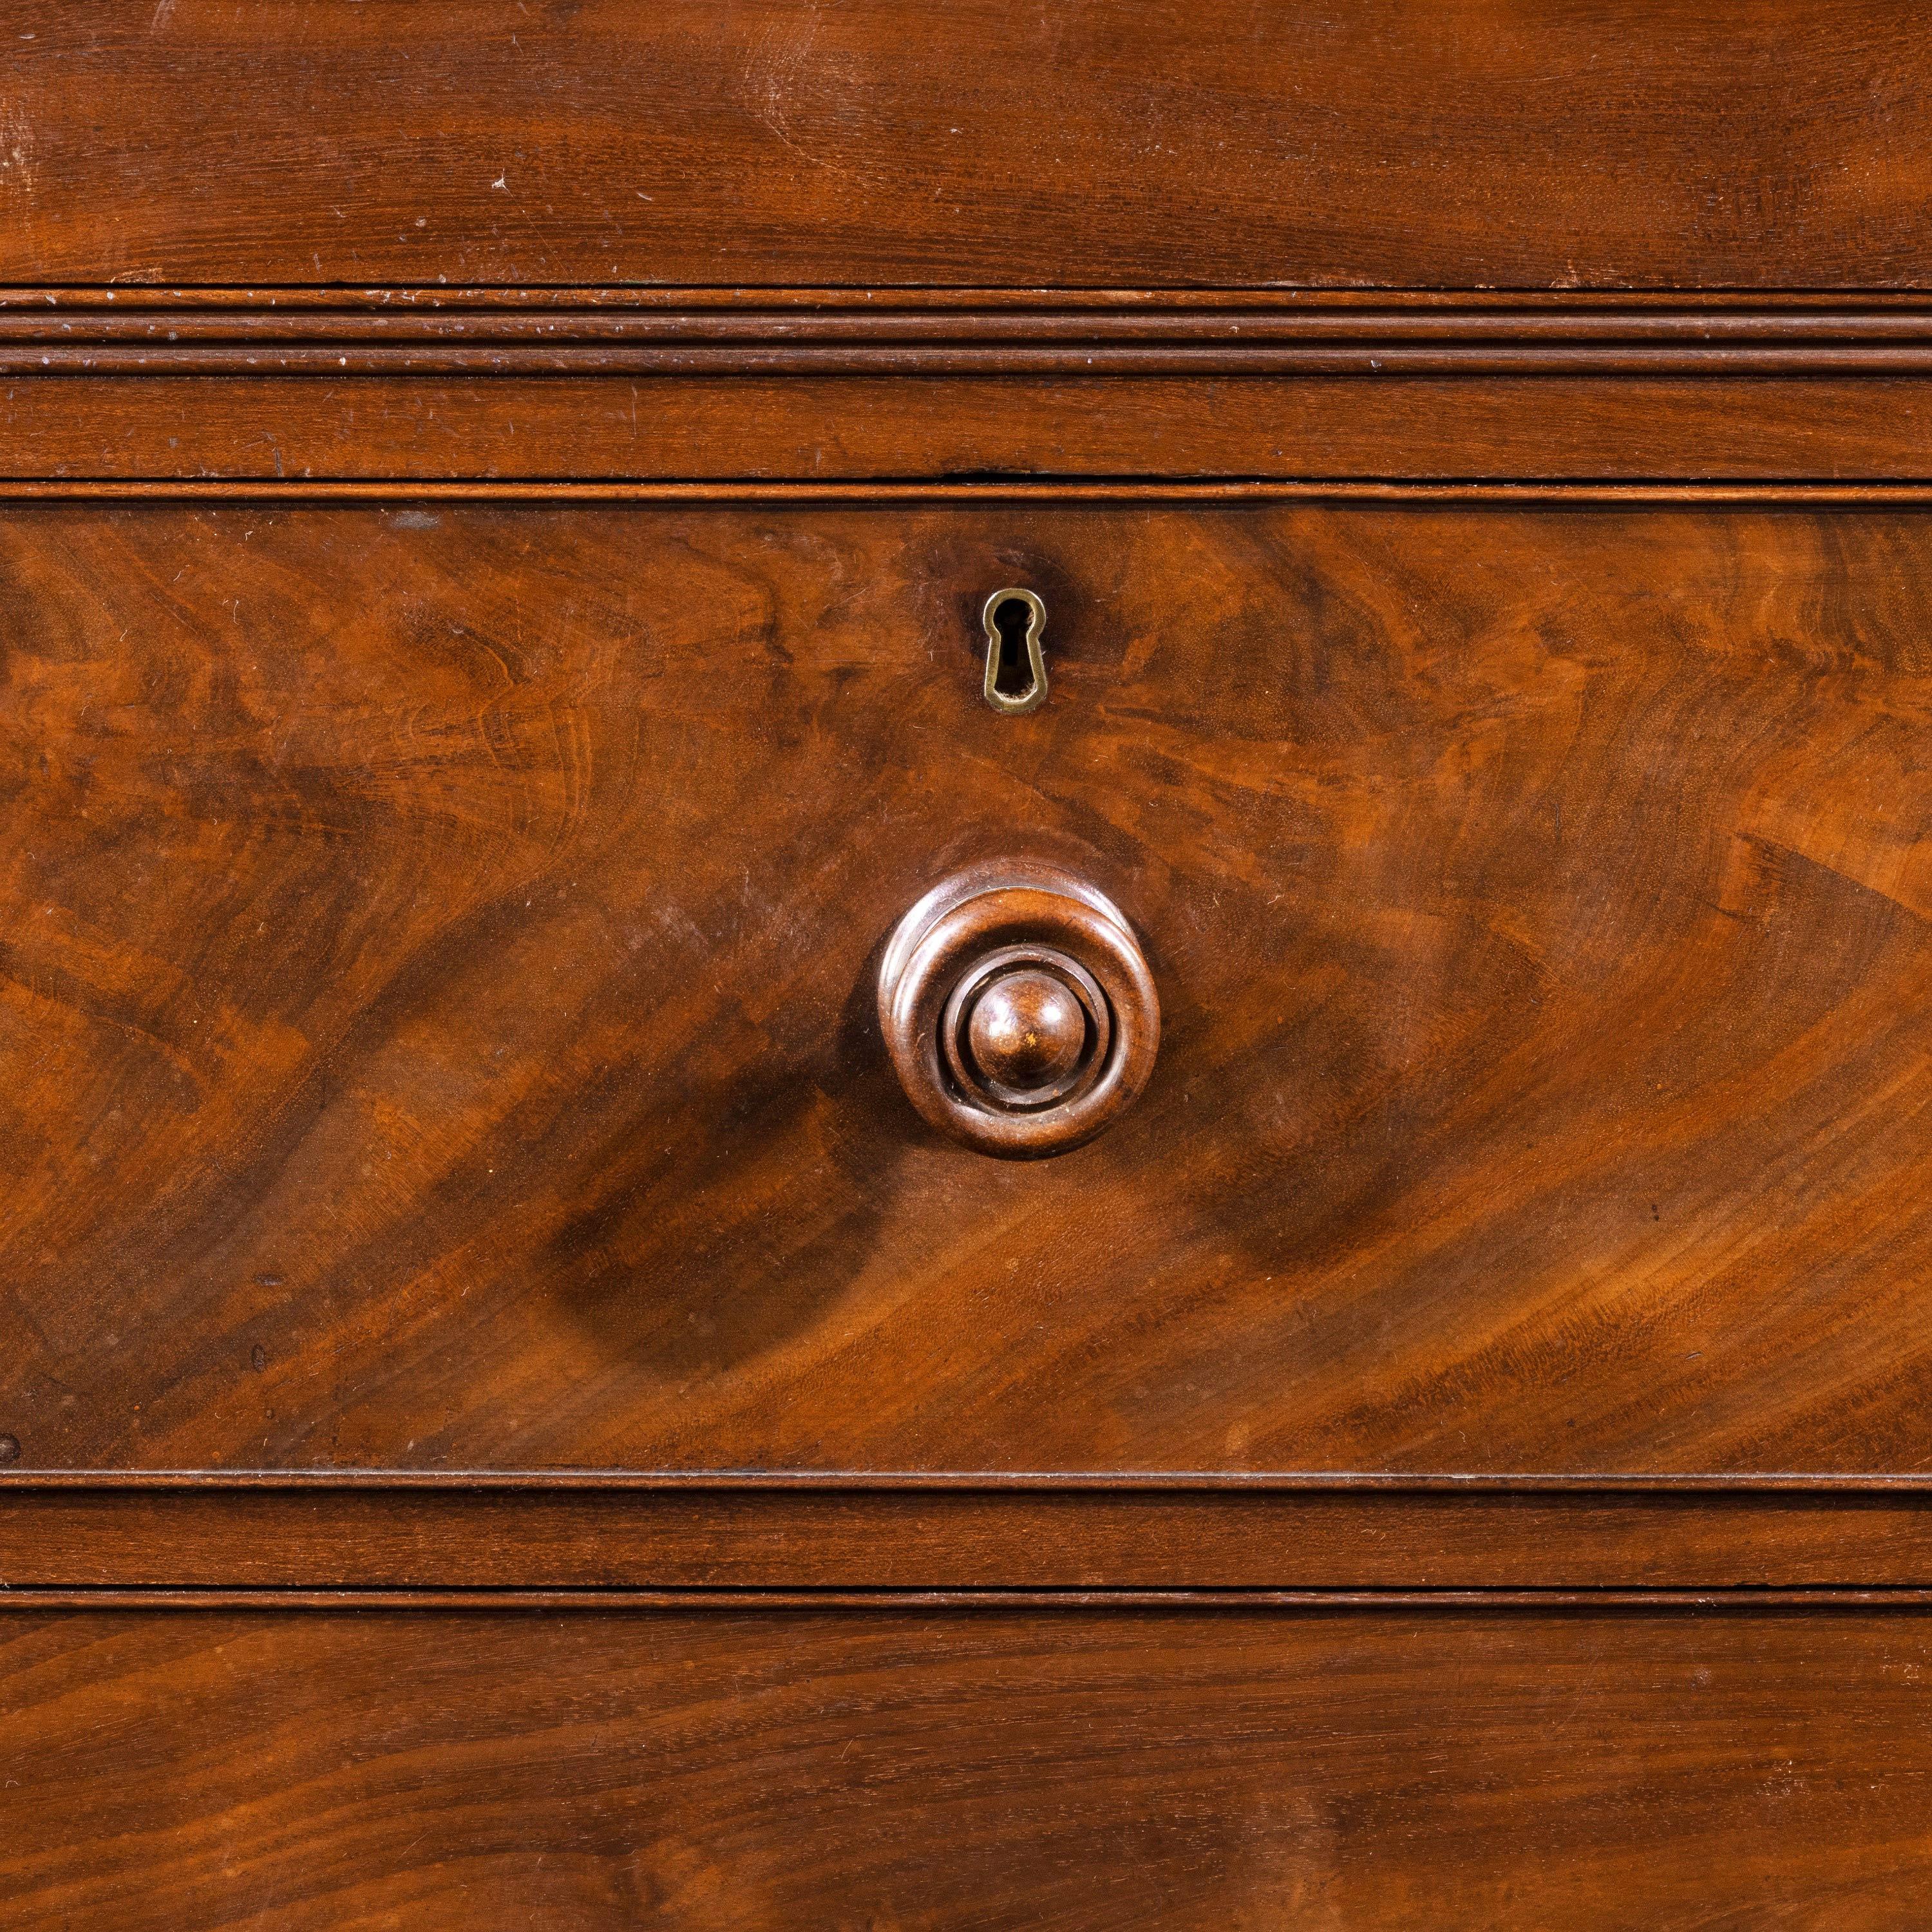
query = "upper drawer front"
x=438 y=1024
x=1383 y=143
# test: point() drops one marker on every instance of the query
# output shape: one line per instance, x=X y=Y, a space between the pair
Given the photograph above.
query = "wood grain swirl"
x=438 y=948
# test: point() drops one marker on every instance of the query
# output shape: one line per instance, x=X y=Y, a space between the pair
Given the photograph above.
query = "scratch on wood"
x=16 y=149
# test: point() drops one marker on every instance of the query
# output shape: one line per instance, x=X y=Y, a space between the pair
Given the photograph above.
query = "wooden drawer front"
x=1075 y=1768
x=1390 y=143
x=438 y=1023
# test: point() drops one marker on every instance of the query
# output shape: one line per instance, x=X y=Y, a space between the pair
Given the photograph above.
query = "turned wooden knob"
x=1019 y=1009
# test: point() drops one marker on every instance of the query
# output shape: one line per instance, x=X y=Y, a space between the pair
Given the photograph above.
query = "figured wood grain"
x=1084 y=1769
x=437 y=1020
x=437 y=942
x=471 y=1533
x=1390 y=142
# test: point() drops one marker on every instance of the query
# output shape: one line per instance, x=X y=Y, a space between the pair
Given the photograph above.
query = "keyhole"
x=1014 y=677
x=1015 y=664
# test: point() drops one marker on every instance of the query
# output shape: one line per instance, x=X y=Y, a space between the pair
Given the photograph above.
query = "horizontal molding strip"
x=765 y=1602
x=897 y=1482
x=859 y=494
x=1028 y=1532
x=631 y=332
x=860 y=429
x=293 y=297
x=1084 y=360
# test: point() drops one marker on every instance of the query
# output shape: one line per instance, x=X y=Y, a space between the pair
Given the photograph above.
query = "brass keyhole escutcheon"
x=1015 y=664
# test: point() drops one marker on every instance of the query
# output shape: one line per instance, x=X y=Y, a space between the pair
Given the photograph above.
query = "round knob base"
x=1018 y=1009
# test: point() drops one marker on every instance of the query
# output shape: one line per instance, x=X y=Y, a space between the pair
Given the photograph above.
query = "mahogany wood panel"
x=1084 y=1769
x=1393 y=142
x=201 y=1536
x=437 y=1027
x=571 y=425
x=483 y=1337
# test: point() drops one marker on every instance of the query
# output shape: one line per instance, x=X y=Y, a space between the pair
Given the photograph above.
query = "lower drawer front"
x=895 y=1768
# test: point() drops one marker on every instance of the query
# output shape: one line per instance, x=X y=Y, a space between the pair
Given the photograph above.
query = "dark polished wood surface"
x=1078 y=1768
x=496 y=508
x=439 y=1022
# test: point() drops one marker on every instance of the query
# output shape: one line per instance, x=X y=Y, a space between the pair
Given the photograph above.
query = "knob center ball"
x=1027 y=1030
